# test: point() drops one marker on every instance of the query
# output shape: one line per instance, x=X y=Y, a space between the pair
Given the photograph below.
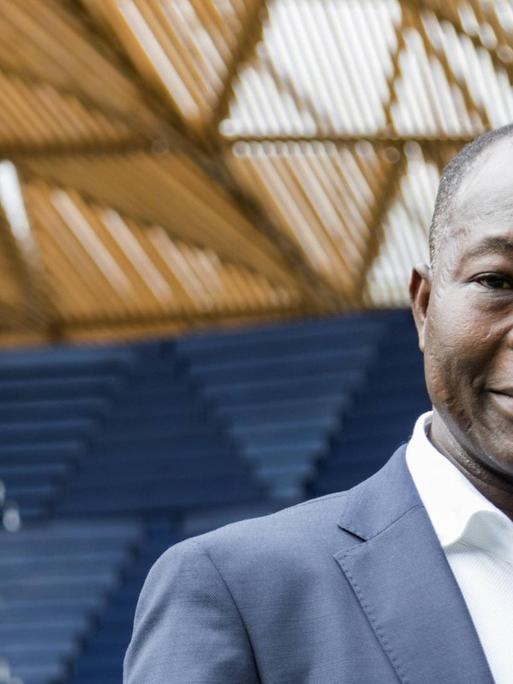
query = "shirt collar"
x=458 y=512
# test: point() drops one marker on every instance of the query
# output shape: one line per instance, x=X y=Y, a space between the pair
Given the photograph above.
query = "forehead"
x=483 y=205
x=486 y=190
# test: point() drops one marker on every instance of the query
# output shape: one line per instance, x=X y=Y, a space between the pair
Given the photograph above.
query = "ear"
x=420 y=291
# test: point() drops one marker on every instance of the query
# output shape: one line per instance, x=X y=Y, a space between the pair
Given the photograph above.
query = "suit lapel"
x=400 y=576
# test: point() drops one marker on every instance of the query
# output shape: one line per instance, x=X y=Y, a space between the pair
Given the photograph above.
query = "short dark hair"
x=451 y=179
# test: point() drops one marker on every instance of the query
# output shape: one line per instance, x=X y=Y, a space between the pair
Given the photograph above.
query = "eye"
x=494 y=281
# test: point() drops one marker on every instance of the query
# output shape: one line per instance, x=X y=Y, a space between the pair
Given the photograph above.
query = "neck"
x=495 y=486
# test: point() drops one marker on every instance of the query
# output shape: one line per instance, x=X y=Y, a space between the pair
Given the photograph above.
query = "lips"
x=503 y=399
x=508 y=391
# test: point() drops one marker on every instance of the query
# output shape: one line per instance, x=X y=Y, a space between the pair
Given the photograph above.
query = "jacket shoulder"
x=310 y=524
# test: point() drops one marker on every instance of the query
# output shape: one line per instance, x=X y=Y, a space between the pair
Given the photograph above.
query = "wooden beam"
x=173 y=126
x=343 y=139
x=450 y=74
x=396 y=70
x=382 y=202
x=189 y=320
x=249 y=36
x=413 y=20
x=448 y=11
x=17 y=151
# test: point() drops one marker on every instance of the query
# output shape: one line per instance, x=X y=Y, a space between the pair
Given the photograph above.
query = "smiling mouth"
x=504 y=391
x=503 y=398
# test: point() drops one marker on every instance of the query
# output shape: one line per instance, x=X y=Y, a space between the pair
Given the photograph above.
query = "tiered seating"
x=159 y=451
x=175 y=439
x=104 y=651
x=281 y=390
x=51 y=404
x=54 y=580
x=111 y=432
x=383 y=414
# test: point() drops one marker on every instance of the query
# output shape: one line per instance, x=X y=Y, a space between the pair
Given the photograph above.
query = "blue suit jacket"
x=350 y=588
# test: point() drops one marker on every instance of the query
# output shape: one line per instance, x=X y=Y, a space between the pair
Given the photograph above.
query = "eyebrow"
x=497 y=245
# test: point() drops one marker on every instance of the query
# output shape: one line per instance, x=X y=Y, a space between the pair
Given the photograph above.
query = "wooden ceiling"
x=169 y=164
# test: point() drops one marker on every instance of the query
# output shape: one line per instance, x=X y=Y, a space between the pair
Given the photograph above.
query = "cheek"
x=455 y=356
x=449 y=380
x=441 y=380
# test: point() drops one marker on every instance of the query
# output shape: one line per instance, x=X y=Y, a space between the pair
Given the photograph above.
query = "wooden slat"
x=383 y=200
x=193 y=209
x=72 y=64
x=110 y=277
x=247 y=39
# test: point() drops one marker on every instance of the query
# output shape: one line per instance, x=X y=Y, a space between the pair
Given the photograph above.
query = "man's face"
x=464 y=314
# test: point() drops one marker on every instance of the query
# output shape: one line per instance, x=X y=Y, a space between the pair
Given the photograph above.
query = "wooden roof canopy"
x=175 y=163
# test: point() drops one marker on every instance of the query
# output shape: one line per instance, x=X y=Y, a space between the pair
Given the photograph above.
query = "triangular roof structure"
x=170 y=164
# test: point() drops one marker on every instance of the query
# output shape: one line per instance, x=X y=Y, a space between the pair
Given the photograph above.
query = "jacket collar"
x=401 y=577
x=378 y=502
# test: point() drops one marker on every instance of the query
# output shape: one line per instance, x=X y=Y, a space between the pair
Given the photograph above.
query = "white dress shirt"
x=477 y=539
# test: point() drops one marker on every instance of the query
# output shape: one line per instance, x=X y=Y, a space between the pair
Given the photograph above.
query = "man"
x=407 y=577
